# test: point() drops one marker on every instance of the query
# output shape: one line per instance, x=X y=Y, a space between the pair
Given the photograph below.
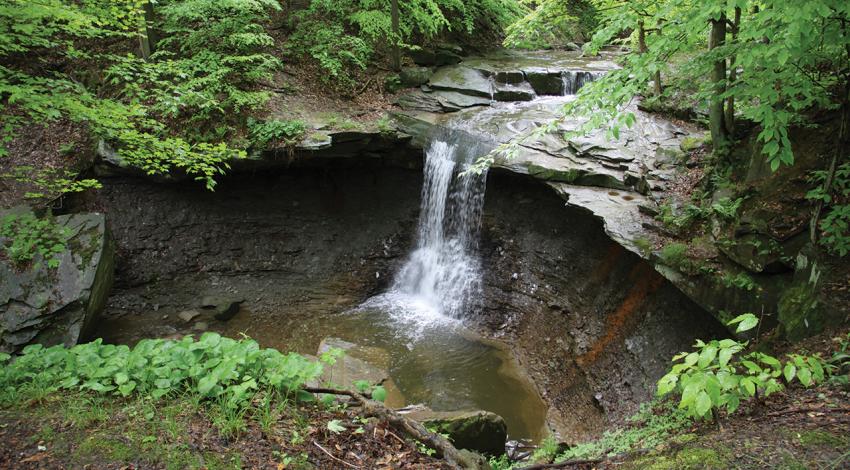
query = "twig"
x=808 y=409
x=333 y=457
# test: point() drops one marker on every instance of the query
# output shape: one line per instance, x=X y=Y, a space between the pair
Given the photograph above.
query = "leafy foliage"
x=835 y=225
x=343 y=37
x=261 y=133
x=213 y=368
x=552 y=23
x=777 y=81
x=207 y=64
x=27 y=239
x=713 y=377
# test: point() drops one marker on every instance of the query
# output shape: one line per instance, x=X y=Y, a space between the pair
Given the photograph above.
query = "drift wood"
x=416 y=430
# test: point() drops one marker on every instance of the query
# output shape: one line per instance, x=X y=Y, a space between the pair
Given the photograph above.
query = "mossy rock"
x=415 y=76
x=480 y=431
x=59 y=305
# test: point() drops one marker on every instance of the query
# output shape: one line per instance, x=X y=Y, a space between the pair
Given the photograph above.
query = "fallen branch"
x=334 y=457
x=412 y=428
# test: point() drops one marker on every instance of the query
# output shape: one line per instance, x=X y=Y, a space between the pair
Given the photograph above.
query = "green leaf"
x=335 y=426
x=745 y=322
x=127 y=388
x=789 y=372
x=707 y=356
x=121 y=378
x=804 y=375
x=703 y=404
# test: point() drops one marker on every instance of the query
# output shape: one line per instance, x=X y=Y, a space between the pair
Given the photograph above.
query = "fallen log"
x=414 y=429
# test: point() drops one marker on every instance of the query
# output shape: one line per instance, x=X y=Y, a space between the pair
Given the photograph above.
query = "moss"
x=691 y=143
x=98 y=447
x=687 y=458
x=819 y=438
x=563 y=176
x=800 y=313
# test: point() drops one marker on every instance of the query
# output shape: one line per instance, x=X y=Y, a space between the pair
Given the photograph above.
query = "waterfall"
x=441 y=278
x=444 y=270
x=573 y=81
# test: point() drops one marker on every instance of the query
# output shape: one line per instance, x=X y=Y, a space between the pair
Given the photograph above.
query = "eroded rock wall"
x=594 y=323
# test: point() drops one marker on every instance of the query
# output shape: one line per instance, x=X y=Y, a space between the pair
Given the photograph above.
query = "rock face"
x=58 y=306
x=479 y=431
x=619 y=179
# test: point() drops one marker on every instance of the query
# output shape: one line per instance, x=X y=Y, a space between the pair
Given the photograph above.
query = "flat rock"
x=188 y=315
x=357 y=364
x=460 y=79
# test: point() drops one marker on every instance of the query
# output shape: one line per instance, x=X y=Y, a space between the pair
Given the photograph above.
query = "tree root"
x=414 y=429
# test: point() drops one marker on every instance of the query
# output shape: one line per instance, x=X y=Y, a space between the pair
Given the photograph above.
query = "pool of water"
x=433 y=360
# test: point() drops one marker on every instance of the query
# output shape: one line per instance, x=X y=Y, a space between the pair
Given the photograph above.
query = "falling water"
x=442 y=276
x=574 y=80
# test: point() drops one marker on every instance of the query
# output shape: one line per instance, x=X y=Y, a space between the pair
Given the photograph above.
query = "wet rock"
x=200 y=326
x=512 y=77
x=58 y=306
x=225 y=307
x=521 y=92
x=545 y=82
x=188 y=315
x=480 y=431
x=453 y=101
x=359 y=363
x=419 y=101
x=460 y=79
x=415 y=76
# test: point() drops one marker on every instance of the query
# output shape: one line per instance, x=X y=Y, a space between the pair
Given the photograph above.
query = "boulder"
x=512 y=77
x=480 y=431
x=357 y=364
x=508 y=92
x=415 y=76
x=453 y=101
x=225 y=307
x=545 y=82
x=59 y=305
x=460 y=79
x=419 y=101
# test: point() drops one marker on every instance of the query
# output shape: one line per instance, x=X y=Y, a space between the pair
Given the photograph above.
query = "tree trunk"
x=716 y=115
x=147 y=36
x=396 y=51
x=730 y=102
x=657 y=79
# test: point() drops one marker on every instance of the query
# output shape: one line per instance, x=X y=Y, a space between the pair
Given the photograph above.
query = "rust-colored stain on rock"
x=645 y=282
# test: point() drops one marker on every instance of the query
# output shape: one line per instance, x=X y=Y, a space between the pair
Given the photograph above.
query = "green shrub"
x=835 y=225
x=27 y=239
x=261 y=133
x=213 y=368
x=713 y=377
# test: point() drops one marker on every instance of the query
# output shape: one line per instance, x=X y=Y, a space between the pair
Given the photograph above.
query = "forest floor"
x=102 y=432
x=797 y=428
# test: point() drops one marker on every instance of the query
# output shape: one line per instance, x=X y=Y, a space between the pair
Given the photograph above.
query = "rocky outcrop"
x=618 y=178
x=58 y=306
